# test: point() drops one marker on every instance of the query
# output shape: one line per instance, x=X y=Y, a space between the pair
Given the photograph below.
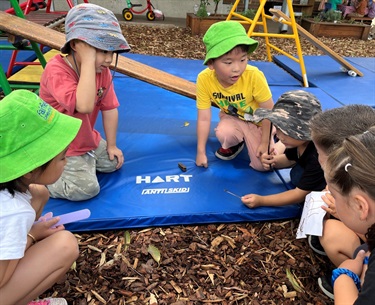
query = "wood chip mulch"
x=240 y=263
x=257 y=263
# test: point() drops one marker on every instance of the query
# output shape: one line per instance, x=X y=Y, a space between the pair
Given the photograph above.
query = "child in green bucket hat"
x=33 y=255
x=238 y=89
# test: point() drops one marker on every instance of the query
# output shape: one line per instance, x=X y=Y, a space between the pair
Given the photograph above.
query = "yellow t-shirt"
x=246 y=94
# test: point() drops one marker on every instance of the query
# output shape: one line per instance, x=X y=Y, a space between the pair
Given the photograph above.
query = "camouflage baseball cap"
x=292 y=113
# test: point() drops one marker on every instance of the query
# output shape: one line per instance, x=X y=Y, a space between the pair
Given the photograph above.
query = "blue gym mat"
x=157 y=130
x=365 y=63
x=151 y=190
x=323 y=72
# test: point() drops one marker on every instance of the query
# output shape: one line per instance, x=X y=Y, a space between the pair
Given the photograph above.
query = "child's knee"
x=108 y=167
x=71 y=244
x=82 y=189
x=221 y=134
x=255 y=162
x=329 y=230
x=67 y=245
x=225 y=129
x=257 y=165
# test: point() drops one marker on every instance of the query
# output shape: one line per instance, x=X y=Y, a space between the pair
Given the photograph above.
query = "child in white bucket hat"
x=80 y=85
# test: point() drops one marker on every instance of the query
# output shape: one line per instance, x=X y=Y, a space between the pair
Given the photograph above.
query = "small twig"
x=233 y=194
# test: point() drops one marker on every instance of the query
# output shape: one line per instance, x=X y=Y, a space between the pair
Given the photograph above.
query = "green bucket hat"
x=223 y=36
x=31 y=133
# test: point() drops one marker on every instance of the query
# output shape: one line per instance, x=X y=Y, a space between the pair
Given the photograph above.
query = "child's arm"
x=203 y=130
x=344 y=288
x=39 y=197
x=266 y=128
x=86 y=88
x=285 y=198
x=110 y=122
x=275 y=160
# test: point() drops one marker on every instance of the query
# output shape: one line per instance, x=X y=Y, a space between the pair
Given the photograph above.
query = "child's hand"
x=116 y=152
x=356 y=265
x=251 y=200
x=46 y=216
x=330 y=201
x=45 y=228
x=345 y=290
x=201 y=160
x=268 y=160
x=262 y=149
x=85 y=52
x=365 y=267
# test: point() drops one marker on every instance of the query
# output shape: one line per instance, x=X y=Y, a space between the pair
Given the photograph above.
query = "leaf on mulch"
x=293 y=281
x=155 y=253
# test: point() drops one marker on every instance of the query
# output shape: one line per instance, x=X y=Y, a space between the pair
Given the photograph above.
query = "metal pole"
x=246 y=5
x=284 y=8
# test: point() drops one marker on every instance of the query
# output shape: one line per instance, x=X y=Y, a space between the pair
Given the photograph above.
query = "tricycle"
x=152 y=13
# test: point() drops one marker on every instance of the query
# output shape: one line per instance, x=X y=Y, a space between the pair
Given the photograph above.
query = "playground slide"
x=34 y=32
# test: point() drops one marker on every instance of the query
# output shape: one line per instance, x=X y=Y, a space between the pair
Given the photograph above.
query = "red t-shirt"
x=58 y=86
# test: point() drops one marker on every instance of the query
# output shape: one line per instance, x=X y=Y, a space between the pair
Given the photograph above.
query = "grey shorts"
x=79 y=181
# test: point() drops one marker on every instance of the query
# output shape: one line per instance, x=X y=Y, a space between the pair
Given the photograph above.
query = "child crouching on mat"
x=291 y=115
x=33 y=256
x=238 y=89
x=80 y=84
x=350 y=176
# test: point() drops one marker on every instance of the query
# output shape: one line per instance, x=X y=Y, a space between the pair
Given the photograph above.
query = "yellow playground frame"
x=263 y=22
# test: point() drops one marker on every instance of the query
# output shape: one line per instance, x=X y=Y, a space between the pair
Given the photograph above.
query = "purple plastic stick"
x=71 y=217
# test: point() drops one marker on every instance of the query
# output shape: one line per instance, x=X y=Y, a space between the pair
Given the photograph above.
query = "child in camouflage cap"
x=291 y=115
